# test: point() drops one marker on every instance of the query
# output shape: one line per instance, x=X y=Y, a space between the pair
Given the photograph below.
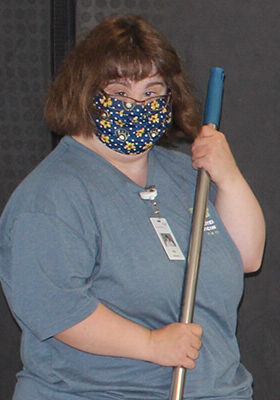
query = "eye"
x=150 y=93
x=116 y=89
x=120 y=93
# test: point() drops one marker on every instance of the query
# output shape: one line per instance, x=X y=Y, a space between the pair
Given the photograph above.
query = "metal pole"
x=212 y=118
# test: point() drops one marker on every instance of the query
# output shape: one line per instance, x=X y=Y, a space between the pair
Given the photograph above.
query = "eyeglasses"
x=130 y=102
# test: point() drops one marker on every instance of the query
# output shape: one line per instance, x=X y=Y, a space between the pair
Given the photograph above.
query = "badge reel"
x=160 y=225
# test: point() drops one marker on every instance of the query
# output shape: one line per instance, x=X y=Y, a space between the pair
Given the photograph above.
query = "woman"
x=84 y=266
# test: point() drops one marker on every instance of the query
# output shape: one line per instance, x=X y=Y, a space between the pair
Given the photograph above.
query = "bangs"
x=133 y=50
x=134 y=67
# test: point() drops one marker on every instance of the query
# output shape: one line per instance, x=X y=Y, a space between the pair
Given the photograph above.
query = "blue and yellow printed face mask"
x=129 y=126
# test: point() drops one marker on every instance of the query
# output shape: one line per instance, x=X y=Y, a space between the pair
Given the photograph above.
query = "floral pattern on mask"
x=128 y=127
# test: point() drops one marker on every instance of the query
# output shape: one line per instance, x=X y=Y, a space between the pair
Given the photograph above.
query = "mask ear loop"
x=168 y=95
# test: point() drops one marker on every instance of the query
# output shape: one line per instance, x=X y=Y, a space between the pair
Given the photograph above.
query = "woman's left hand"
x=235 y=201
x=211 y=151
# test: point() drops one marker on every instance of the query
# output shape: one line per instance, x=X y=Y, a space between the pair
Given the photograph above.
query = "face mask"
x=129 y=127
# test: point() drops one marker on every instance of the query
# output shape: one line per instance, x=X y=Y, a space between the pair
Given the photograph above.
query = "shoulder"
x=172 y=154
x=56 y=186
x=176 y=162
x=179 y=165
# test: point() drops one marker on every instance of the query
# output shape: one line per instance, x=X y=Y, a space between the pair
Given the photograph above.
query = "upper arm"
x=51 y=268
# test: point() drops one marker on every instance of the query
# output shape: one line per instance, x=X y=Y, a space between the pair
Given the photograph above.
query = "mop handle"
x=211 y=117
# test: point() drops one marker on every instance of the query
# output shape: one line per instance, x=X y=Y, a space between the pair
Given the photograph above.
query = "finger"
x=188 y=363
x=200 y=163
x=195 y=328
x=207 y=130
x=193 y=353
x=200 y=149
x=196 y=343
x=205 y=140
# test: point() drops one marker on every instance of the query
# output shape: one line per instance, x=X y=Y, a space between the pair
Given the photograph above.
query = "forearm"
x=105 y=332
x=243 y=218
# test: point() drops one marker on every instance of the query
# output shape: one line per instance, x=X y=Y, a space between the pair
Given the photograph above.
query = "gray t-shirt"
x=76 y=232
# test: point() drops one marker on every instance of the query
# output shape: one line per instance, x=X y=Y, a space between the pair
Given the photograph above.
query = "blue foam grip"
x=213 y=104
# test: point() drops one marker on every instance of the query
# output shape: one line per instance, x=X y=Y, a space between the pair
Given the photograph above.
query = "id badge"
x=167 y=239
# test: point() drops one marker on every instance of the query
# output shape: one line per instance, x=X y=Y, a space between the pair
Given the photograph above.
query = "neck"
x=135 y=167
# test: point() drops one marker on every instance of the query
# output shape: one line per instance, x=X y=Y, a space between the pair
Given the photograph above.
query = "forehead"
x=131 y=70
x=152 y=79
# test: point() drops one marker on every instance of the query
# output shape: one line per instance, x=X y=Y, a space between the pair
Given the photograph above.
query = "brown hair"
x=122 y=46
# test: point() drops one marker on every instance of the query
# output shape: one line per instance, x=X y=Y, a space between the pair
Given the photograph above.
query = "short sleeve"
x=51 y=270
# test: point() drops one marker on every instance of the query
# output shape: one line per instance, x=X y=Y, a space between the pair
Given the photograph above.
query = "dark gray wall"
x=24 y=139
x=25 y=71
x=242 y=36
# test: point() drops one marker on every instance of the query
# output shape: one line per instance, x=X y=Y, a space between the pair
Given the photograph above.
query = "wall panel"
x=24 y=139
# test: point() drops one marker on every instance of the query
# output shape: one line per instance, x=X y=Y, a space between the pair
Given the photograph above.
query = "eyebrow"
x=156 y=83
x=125 y=82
